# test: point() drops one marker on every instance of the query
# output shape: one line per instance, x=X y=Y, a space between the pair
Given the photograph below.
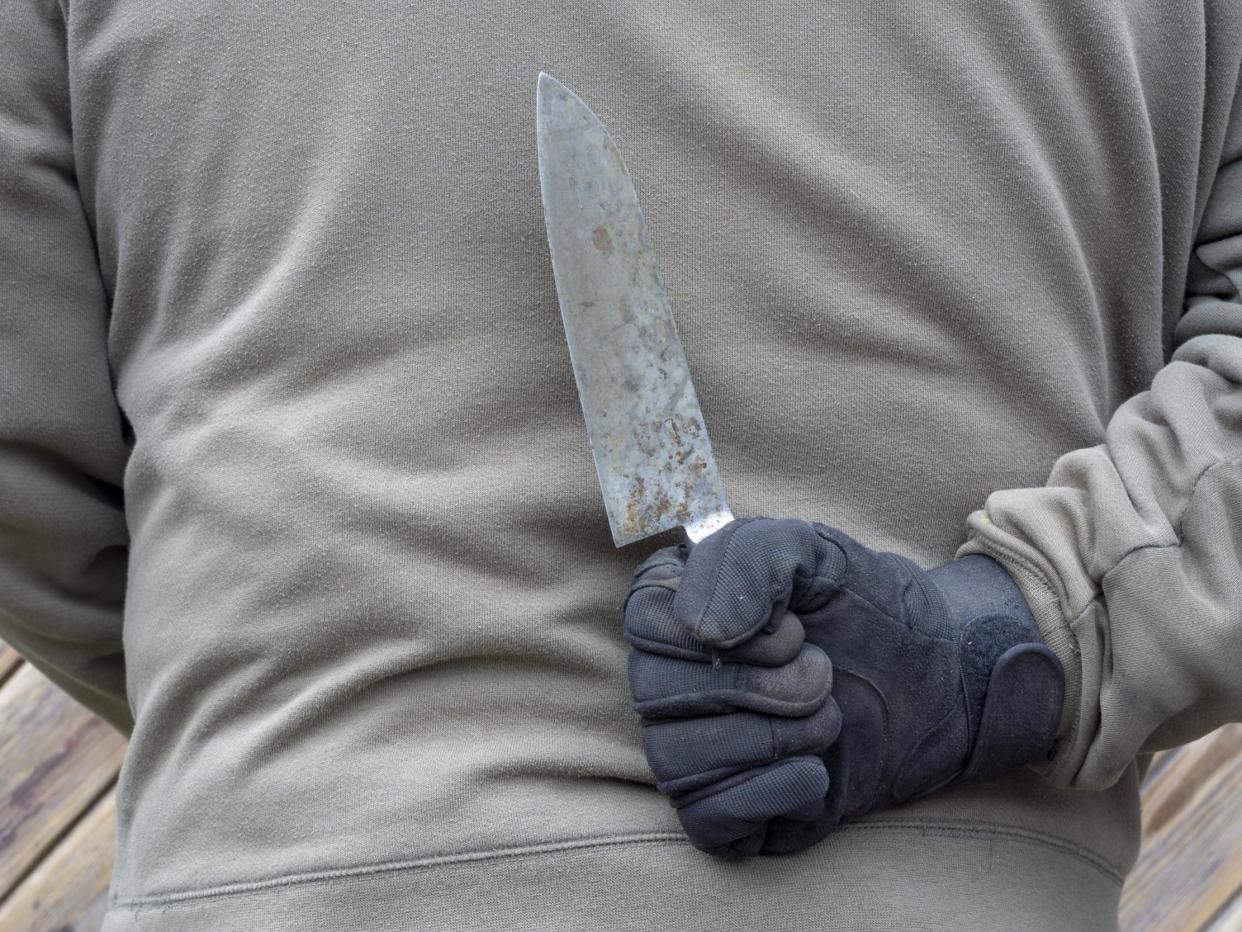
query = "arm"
x=63 y=539
x=1131 y=556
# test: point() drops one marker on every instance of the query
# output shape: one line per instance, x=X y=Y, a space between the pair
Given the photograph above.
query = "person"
x=294 y=486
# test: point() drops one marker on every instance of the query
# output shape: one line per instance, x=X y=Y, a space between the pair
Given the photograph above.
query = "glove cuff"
x=977 y=586
x=1014 y=684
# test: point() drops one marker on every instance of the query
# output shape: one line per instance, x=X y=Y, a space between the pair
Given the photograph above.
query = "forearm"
x=1129 y=558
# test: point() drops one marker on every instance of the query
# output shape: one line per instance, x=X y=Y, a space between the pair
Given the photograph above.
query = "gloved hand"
x=753 y=650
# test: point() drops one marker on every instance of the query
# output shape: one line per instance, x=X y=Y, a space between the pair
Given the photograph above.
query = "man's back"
x=372 y=634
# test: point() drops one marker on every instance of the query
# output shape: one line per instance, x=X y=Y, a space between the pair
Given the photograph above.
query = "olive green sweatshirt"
x=294 y=485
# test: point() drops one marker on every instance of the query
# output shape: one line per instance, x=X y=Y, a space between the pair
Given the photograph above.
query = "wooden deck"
x=58 y=767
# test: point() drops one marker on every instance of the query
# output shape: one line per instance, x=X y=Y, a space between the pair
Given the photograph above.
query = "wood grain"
x=9 y=661
x=55 y=759
x=1190 y=870
x=68 y=891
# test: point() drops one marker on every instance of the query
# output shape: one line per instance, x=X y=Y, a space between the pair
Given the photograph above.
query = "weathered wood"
x=55 y=759
x=68 y=891
x=1190 y=870
x=9 y=661
x=1230 y=920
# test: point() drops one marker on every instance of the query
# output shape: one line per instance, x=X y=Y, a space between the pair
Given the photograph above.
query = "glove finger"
x=747 y=574
x=731 y=820
x=650 y=626
x=803 y=828
x=662 y=687
x=794 y=833
x=690 y=753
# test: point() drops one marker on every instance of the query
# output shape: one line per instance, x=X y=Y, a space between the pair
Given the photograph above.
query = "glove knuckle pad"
x=797 y=688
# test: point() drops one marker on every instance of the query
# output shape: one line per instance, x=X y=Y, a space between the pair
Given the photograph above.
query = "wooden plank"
x=55 y=760
x=9 y=661
x=1230 y=920
x=68 y=891
x=1190 y=869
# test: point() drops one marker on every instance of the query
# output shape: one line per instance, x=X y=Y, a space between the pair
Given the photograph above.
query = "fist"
x=789 y=679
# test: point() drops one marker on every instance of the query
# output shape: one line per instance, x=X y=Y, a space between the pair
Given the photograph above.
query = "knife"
x=654 y=461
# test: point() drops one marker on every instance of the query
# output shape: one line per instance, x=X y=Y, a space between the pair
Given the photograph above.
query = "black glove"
x=755 y=648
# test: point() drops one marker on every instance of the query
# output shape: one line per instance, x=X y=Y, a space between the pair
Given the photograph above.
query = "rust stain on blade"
x=602 y=241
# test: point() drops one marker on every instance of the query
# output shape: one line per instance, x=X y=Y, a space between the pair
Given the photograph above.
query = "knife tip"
x=547 y=89
x=547 y=84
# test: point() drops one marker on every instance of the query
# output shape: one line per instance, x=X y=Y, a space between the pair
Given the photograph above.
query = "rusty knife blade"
x=646 y=430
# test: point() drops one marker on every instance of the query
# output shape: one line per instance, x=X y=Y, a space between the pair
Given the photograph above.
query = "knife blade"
x=646 y=430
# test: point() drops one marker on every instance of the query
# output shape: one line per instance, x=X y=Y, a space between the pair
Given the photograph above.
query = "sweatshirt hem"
x=921 y=827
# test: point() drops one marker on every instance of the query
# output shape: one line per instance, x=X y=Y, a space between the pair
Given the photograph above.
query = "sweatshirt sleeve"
x=63 y=538
x=1131 y=555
